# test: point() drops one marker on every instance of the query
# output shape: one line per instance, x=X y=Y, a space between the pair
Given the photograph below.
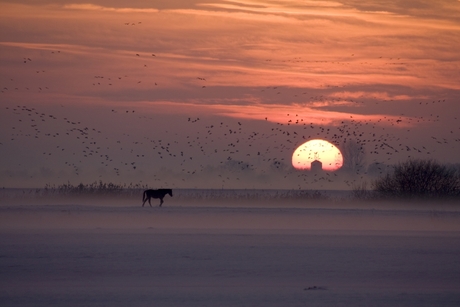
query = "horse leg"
x=150 y=202
x=161 y=201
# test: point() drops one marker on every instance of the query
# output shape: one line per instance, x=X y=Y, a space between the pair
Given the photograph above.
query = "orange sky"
x=362 y=69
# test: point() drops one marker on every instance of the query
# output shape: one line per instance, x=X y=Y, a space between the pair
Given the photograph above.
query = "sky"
x=219 y=94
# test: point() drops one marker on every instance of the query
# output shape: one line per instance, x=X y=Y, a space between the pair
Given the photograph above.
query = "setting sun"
x=317 y=150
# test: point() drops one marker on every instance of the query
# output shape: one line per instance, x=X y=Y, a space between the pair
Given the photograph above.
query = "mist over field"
x=227 y=247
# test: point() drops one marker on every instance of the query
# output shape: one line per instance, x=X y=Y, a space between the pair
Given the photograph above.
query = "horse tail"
x=144 y=196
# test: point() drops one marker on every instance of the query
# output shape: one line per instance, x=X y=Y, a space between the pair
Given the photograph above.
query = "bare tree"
x=360 y=192
x=353 y=155
x=419 y=179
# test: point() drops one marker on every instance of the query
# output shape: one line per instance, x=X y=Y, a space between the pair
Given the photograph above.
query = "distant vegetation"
x=414 y=179
x=110 y=191
x=410 y=180
x=93 y=189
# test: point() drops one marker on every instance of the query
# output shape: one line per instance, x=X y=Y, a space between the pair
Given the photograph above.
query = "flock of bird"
x=226 y=150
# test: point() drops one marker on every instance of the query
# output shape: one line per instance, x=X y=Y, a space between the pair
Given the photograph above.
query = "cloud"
x=93 y=7
x=373 y=95
x=295 y=114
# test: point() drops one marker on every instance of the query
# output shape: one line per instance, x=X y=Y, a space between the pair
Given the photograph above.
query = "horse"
x=160 y=193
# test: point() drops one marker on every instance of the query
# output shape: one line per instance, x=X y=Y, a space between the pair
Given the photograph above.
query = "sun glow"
x=317 y=150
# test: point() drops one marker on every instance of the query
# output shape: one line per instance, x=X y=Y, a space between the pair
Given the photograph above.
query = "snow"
x=232 y=254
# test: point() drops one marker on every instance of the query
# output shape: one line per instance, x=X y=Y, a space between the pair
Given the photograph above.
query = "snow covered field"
x=76 y=253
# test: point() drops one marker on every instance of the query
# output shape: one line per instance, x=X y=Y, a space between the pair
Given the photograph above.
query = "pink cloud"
x=93 y=7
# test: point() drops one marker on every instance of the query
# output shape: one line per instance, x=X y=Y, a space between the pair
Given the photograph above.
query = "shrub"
x=360 y=192
x=425 y=179
x=95 y=188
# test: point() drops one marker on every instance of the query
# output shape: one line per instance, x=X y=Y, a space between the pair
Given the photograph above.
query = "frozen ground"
x=214 y=254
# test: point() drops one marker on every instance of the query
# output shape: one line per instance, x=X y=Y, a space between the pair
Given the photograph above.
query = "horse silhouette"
x=160 y=193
